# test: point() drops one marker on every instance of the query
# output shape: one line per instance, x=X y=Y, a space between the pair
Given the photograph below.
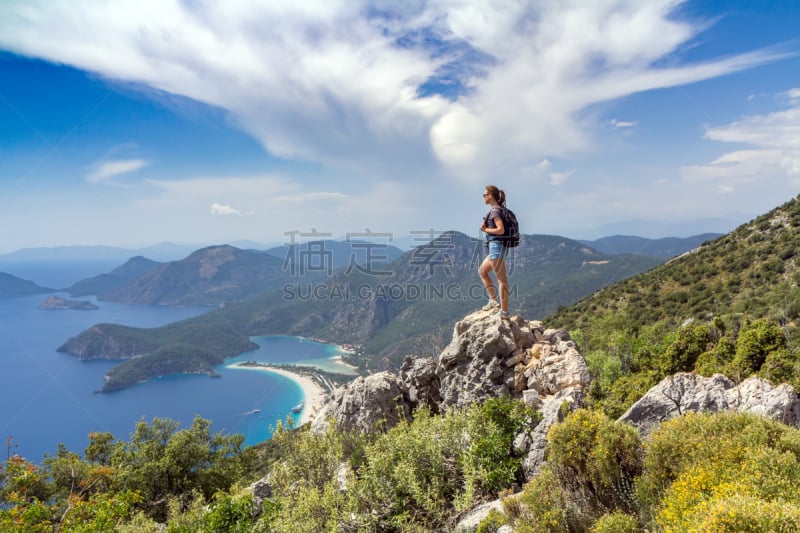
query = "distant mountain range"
x=679 y=228
x=158 y=252
x=666 y=247
x=164 y=252
x=391 y=308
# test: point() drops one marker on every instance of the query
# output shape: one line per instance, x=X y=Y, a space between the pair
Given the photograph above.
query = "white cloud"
x=792 y=94
x=773 y=156
x=106 y=171
x=780 y=129
x=621 y=123
x=329 y=81
x=226 y=210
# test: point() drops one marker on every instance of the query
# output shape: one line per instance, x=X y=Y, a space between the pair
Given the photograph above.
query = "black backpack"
x=511 y=236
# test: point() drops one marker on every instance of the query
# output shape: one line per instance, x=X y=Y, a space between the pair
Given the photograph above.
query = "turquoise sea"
x=46 y=397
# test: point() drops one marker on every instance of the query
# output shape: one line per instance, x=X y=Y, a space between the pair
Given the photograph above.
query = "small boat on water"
x=299 y=407
x=255 y=411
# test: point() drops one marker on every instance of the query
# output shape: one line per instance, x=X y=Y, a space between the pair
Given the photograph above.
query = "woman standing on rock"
x=495 y=260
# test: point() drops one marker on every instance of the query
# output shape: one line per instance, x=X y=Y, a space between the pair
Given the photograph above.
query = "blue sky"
x=135 y=122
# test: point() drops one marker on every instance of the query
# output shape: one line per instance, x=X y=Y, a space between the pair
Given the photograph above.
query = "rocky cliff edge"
x=487 y=357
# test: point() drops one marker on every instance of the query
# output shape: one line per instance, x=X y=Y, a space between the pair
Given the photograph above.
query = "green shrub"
x=230 y=513
x=616 y=522
x=604 y=368
x=542 y=506
x=782 y=366
x=690 y=342
x=601 y=456
x=412 y=473
x=493 y=521
x=626 y=391
x=755 y=343
x=717 y=359
x=315 y=510
x=490 y=462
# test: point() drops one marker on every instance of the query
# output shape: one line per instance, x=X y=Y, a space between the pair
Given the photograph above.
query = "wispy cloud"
x=348 y=83
x=774 y=155
x=263 y=207
x=226 y=210
x=621 y=123
x=792 y=94
x=106 y=171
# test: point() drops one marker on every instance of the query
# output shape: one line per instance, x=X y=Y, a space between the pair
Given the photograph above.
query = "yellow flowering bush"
x=740 y=513
x=698 y=462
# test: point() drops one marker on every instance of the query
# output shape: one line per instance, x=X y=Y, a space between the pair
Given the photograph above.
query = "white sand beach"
x=313 y=394
x=339 y=360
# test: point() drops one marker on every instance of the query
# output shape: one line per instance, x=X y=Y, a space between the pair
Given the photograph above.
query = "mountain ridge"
x=736 y=273
x=664 y=247
x=12 y=286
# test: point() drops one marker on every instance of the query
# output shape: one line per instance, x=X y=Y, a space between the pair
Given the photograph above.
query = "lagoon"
x=46 y=397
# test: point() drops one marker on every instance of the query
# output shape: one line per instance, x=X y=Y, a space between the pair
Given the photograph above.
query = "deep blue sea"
x=46 y=396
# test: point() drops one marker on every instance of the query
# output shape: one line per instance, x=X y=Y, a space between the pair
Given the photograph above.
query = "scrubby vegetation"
x=413 y=477
x=626 y=362
x=730 y=307
x=726 y=472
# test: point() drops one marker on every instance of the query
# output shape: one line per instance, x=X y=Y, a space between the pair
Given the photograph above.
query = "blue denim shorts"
x=497 y=249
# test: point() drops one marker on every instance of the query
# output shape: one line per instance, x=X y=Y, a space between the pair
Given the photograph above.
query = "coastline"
x=339 y=360
x=313 y=393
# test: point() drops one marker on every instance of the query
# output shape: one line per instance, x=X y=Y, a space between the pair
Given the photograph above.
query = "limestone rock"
x=419 y=377
x=470 y=522
x=685 y=392
x=554 y=409
x=759 y=396
x=557 y=370
x=261 y=491
x=488 y=357
x=365 y=403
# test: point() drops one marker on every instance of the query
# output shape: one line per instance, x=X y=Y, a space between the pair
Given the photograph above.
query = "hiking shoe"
x=490 y=305
x=503 y=314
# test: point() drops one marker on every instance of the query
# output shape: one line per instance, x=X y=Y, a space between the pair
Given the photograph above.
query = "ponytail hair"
x=497 y=194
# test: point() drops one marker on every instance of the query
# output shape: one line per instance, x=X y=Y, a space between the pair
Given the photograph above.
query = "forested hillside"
x=752 y=270
x=730 y=307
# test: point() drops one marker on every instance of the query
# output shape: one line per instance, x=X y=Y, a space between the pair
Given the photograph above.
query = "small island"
x=55 y=302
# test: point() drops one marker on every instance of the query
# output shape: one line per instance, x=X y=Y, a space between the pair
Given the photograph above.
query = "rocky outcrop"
x=684 y=392
x=365 y=404
x=487 y=357
x=554 y=409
